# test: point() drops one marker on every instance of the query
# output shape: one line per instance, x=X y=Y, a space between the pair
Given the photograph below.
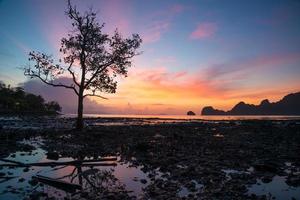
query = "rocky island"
x=288 y=105
x=190 y=113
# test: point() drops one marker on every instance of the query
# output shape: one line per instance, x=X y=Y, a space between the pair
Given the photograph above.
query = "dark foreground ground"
x=200 y=160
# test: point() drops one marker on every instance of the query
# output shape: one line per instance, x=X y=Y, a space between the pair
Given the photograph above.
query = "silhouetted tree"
x=53 y=106
x=99 y=57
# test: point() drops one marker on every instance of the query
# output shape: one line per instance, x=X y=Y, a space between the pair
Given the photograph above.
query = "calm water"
x=195 y=117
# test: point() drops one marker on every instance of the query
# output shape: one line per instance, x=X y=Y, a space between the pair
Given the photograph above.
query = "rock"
x=288 y=105
x=52 y=156
x=33 y=182
x=293 y=180
x=265 y=167
x=142 y=146
x=143 y=181
x=190 y=113
x=26 y=169
x=266 y=179
x=21 y=180
x=209 y=110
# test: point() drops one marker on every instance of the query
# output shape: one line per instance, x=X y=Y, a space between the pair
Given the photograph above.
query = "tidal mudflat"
x=132 y=159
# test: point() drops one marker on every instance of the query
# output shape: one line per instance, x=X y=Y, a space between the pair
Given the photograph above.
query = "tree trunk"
x=79 y=123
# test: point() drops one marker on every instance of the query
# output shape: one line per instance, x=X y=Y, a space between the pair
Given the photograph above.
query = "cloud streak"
x=244 y=66
x=155 y=31
x=204 y=30
x=160 y=23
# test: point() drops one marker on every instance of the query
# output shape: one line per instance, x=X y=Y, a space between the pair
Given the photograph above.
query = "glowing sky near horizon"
x=195 y=52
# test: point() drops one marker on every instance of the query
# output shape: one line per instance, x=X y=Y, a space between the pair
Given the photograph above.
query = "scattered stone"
x=267 y=179
x=33 y=182
x=21 y=180
x=265 y=167
x=52 y=155
x=26 y=169
x=143 y=181
x=293 y=180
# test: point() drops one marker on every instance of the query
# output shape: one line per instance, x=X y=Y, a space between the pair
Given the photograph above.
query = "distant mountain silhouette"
x=289 y=105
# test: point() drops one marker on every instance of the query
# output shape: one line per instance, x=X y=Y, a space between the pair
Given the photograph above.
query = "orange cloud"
x=161 y=91
x=158 y=90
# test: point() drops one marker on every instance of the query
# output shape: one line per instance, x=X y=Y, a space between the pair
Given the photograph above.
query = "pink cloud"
x=241 y=68
x=155 y=31
x=55 y=25
x=178 y=82
x=116 y=14
x=177 y=8
x=161 y=21
x=204 y=30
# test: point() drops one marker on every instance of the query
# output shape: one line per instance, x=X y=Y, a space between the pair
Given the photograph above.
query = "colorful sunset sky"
x=195 y=52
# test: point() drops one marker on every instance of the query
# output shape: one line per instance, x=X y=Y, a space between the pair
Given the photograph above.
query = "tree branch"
x=103 y=67
x=52 y=84
x=98 y=71
x=94 y=95
x=72 y=73
x=92 y=162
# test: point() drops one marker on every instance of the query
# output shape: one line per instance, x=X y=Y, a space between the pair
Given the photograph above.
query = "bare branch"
x=50 y=83
x=94 y=95
x=72 y=73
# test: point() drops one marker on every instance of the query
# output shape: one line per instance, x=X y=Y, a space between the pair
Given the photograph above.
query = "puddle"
x=277 y=188
x=18 y=186
x=228 y=173
x=185 y=192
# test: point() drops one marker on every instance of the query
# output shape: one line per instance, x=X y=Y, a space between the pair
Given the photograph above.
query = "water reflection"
x=277 y=188
x=95 y=180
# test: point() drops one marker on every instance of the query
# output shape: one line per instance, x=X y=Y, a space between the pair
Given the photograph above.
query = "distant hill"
x=288 y=105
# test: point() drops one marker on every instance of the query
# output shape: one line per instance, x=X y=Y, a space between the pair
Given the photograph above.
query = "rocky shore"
x=177 y=160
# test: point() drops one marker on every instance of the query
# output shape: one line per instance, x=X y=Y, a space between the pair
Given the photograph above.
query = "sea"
x=191 y=117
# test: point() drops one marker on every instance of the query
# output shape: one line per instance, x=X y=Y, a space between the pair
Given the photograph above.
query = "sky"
x=196 y=53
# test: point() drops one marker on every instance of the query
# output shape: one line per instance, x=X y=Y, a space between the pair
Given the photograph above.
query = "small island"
x=190 y=113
